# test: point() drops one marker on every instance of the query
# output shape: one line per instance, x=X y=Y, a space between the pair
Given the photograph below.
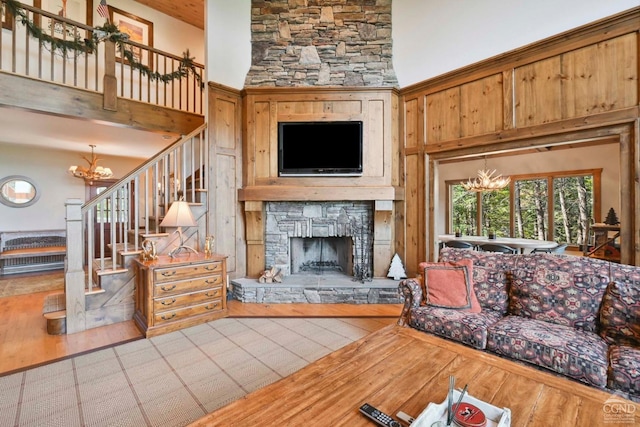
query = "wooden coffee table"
x=401 y=369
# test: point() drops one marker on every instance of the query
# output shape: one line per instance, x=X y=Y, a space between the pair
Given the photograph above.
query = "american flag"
x=103 y=9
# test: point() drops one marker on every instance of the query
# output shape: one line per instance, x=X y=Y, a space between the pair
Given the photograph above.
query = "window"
x=573 y=208
x=531 y=208
x=495 y=212
x=555 y=206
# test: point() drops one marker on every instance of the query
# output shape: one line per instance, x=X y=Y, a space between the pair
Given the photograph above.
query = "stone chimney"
x=321 y=43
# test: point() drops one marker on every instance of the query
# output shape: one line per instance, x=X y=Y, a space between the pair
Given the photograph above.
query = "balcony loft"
x=96 y=84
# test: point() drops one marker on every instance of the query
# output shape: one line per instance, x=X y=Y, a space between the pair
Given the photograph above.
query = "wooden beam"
x=51 y=98
x=300 y=193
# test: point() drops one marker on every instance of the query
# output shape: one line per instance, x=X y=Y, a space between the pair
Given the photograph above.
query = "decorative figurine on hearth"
x=271 y=275
x=396 y=270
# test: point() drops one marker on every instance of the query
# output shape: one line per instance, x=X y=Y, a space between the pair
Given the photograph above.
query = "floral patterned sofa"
x=575 y=316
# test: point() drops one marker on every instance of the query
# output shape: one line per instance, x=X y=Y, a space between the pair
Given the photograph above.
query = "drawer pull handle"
x=211 y=267
x=169 y=302
x=168 y=273
x=212 y=294
x=163 y=317
x=211 y=282
x=211 y=307
x=168 y=289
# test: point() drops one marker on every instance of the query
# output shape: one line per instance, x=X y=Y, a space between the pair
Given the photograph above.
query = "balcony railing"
x=23 y=54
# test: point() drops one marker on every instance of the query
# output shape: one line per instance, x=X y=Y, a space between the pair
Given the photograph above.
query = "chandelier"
x=93 y=172
x=487 y=180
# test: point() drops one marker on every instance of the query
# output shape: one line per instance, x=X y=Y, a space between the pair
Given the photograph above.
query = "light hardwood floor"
x=402 y=369
x=24 y=341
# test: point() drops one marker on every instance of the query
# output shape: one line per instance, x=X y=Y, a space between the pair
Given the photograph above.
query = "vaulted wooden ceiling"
x=189 y=11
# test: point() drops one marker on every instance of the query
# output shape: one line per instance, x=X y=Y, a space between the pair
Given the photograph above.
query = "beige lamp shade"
x=179 y=215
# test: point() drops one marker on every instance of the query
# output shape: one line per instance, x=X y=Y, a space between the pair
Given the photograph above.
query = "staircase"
x=105 y=234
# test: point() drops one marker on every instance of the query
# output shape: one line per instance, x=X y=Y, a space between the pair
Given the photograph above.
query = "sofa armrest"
x=411 y=289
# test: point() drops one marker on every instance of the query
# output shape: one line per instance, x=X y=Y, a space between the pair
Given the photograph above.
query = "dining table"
x=521 y=244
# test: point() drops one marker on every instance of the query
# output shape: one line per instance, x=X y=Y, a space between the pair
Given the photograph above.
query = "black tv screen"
x=319 y=148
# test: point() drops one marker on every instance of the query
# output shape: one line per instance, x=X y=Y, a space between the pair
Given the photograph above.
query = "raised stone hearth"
x=318 y=289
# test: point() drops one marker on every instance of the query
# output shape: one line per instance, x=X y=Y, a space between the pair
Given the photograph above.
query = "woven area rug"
x=21 y=284
x=176 y=378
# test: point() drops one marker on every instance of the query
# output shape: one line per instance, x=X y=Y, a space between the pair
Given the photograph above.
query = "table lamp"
x=179 y=215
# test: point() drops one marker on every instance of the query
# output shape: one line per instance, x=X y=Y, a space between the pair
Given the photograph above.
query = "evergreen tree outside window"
x=530 y=209
x=464 y=205
x=495 y=212
x=573 y=208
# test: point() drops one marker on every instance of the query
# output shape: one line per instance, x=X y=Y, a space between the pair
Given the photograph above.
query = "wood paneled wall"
x=225 y=217
x=380 y=182
x=579 y=85
x=376 y=108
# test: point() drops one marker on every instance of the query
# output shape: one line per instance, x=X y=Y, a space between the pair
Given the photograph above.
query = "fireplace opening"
x=320 y=255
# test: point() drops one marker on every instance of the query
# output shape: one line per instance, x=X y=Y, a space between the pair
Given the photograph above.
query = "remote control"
x=405 y=417
x=378 y=417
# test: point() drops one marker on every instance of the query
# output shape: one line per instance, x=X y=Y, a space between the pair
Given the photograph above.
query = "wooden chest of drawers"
x=174 y=293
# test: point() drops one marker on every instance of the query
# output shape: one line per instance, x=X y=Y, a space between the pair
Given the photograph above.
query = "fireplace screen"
x=317 y=255
x=318 y=237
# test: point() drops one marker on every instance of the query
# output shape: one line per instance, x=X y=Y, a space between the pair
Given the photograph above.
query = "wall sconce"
x=179 y=215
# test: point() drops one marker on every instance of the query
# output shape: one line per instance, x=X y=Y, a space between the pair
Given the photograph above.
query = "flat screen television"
x=320 y=148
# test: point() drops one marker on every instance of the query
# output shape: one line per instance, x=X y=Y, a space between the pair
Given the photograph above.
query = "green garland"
x=106 y=32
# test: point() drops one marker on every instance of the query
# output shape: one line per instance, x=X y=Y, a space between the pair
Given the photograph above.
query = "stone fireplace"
x=332 y=237
x=326 y=250
x=320 y=237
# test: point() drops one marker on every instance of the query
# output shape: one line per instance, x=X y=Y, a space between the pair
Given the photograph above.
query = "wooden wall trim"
x=606 y=28
x=220 y=88
x=323 y=90
x=594 y=127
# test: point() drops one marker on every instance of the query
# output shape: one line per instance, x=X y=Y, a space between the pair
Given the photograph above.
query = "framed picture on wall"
x=80 y=11
x=139 y=30
x=7 y=19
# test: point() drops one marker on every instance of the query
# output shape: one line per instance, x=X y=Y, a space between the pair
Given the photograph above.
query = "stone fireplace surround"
x=287 y=220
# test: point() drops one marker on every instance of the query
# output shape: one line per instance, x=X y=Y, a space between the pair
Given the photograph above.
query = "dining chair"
x=497 y=247
x=557 y=250
x=459 y=244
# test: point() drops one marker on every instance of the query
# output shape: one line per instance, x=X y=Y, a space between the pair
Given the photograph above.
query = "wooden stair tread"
x=107 y=272
x=60 y=314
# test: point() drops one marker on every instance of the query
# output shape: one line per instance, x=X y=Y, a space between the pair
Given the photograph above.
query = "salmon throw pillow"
x=449 y=285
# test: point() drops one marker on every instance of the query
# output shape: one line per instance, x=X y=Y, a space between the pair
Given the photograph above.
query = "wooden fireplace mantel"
x=380 y=182
x=282 y=193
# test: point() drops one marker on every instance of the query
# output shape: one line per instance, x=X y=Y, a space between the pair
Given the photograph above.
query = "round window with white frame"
x=18 y=191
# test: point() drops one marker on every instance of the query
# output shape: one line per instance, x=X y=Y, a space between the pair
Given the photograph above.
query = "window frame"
x=549 y=177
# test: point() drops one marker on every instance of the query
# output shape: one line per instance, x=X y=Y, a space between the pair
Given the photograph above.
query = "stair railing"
x=117 y=220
